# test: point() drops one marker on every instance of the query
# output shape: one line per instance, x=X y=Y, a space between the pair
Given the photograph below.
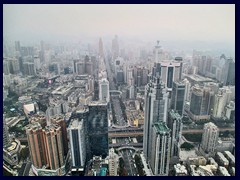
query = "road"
x=129 y=162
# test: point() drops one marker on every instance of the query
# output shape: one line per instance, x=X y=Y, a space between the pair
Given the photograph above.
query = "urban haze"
x=119 y=90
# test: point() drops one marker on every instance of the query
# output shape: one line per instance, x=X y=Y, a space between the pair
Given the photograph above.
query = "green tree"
x=187 y=146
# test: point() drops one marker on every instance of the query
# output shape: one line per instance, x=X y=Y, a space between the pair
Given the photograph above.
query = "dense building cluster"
x=114 y=111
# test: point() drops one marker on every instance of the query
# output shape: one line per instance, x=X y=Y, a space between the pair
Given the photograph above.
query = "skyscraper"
x=98 y=128
x=100 y=52
x=175 y=124
x=209 y=137
x=230 y=72
x=115 y=47
x=220 y=101
x=104 y=90
x=17 y=46
x=6 y=69
x=77 y=143
x=170 y=71
x=156 y=107
x=29 y=68
x=160 y=149
x=178 y=97
x=158 y=53
x=201 y=101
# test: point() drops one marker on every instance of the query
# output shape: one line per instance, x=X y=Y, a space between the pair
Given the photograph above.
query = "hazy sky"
x=158 y=21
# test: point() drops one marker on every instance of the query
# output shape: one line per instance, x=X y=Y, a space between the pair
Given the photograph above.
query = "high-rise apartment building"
x=36 y=143
x=59 y=120
x=54 y=147
x=104 y=90
x=209 y=137
x=160 y=150
x=77 y=140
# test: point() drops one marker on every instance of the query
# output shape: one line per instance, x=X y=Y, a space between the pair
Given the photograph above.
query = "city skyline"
x=119 y=90
x=190 y=25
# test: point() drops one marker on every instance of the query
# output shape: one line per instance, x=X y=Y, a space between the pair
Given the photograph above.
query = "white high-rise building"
x=209 y=137
x=170 y=71
x=77 y=140
x=187 y=90
x=219 y=104
x=104 y=90
x=113 y=162
x=158 y=53
x=156 y=107
x=161 y=149
x=131 y=92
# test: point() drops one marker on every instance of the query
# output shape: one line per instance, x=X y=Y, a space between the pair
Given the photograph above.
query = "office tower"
x=156 y=107
x=187 y=90
x=115 y=47
x=54 y=147
x=170 y=71
x=17 y=46
x=20 y=61
x=98 y=128
x=74 y=63
x=180 y=60
x=130 y=78
x=81 y=113
x=36 y=143
x=54 y=67
x=160 y=150
x=229 y=72
x=6 y=69
x=158 y=53
x=230 y=110
x=209 y=137
x=14 y=66
x=201 y=101
x=120 y=76
x=29 y=69
x=140 y=76
x=77 y=141
x=59 y=120
x=100 y=51
x=6 y=139
x=89 y=68
x=80 y=68
x=175 y=124
x=178 y=97
x=220 y=101
x=104 y=90
x=113 y=163
x=131 y=92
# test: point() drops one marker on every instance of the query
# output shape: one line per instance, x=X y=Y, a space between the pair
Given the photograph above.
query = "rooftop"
x=161 y=127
